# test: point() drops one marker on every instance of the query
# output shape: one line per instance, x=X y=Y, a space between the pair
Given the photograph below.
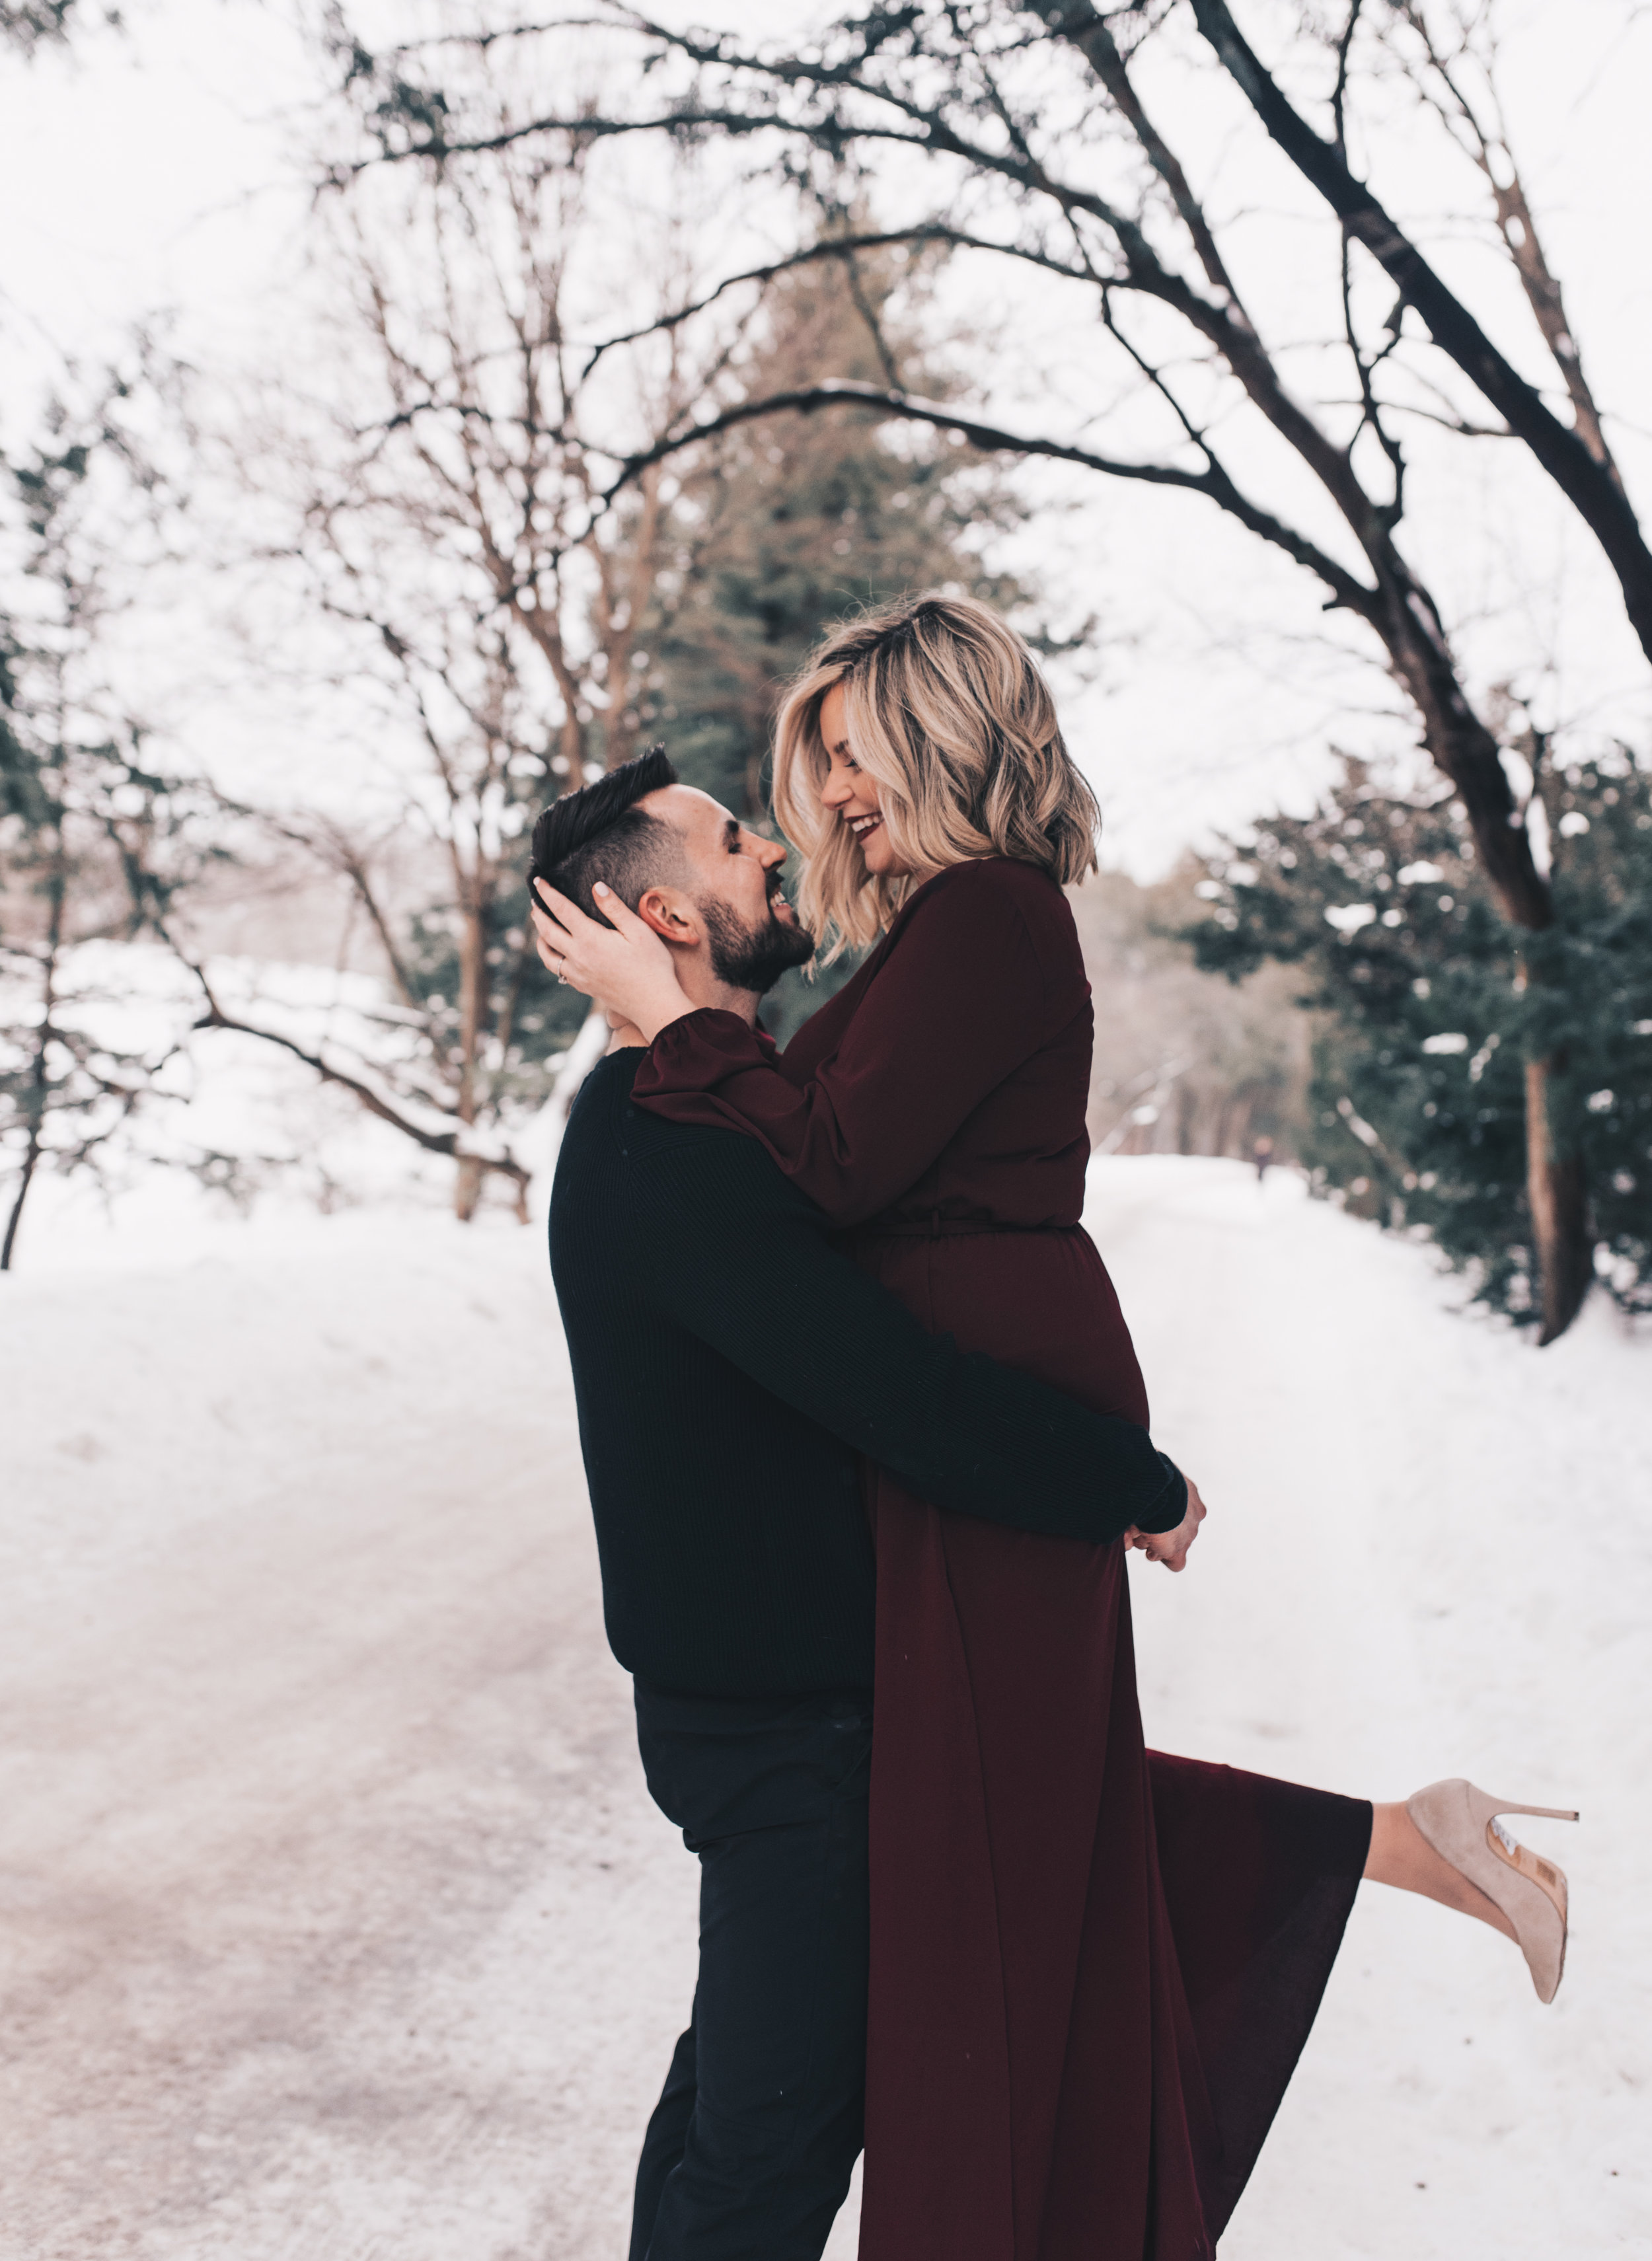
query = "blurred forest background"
x=619 y=360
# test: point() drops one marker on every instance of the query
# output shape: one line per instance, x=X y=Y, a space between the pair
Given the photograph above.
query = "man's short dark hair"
x=600 y=833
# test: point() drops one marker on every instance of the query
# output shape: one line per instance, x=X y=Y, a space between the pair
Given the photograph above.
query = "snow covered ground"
x=338 y=1925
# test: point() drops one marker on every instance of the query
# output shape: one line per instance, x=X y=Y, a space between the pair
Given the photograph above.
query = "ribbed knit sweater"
x=729 y=1363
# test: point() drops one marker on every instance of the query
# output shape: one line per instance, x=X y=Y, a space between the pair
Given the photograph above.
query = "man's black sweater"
x=728 y=1363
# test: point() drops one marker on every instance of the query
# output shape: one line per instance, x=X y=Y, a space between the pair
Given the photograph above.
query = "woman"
x=1093 y=1967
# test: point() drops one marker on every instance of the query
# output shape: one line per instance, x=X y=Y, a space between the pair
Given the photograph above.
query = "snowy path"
x=337 y=1924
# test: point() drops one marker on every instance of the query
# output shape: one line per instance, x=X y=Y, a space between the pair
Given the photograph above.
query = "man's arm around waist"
x=742 y=1259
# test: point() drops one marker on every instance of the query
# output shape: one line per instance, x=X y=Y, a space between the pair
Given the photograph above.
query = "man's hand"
x=1170 y=1548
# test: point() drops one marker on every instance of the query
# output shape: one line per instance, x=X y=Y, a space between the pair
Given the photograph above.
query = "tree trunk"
x=1219 y=1120
x=1558 y=1199
x=1557 y=1192
x=1468 y=754
x=31 y=1157
x=40 y=1077
x=1588 y=483
x=473 y=998
x=37 y=1085
x=467 y=1188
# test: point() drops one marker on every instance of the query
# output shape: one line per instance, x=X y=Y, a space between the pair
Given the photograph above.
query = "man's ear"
x=671 y=914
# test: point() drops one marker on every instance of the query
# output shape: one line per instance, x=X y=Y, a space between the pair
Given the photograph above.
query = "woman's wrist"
x=669 y=1005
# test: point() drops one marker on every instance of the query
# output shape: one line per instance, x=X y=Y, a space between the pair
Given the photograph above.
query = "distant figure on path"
x=1093 y=1968
x=1262 y=1154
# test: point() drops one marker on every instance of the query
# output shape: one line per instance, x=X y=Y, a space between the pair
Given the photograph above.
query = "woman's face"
x=851 y=795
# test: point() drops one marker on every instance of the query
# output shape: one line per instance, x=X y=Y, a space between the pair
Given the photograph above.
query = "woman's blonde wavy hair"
x=947 y=711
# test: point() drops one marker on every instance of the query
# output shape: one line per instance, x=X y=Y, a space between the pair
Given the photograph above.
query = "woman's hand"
x=1170 y=1548
x=626 y=965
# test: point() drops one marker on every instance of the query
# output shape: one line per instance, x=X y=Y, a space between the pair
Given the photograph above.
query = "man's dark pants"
x=749 y=2153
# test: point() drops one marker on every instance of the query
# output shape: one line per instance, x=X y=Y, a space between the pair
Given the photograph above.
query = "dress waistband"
x=946 y=1228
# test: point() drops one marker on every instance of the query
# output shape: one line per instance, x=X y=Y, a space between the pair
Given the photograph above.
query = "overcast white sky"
x=155 y=171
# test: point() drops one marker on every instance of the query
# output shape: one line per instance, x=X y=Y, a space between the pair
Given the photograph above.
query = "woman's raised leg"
x=1401 y=1855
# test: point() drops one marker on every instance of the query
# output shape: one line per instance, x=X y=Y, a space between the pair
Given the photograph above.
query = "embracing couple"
x=867 y=1445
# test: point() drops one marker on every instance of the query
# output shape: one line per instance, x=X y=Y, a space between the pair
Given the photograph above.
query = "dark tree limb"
x=1487 y=143
x=840 y=248
x=1091 y=36
x=445 y=1142
x=1346 y=591
x=332 y=845
x=1587 y=483
x=868 y=314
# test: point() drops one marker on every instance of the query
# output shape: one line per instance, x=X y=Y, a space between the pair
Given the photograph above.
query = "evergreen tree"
x=35 y=23
x=96 y=840
x=1435 y=1009
x=797 y=523
x=1185 y=1062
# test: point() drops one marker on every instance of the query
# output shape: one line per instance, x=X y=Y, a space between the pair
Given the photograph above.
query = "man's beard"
x=753 y=957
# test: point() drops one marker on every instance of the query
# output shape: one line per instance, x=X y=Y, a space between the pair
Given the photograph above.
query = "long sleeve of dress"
x=973 y=982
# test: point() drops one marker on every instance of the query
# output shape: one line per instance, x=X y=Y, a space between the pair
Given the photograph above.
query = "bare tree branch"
x=320 y=836
x=1212 y=482
x=445 y=1142
x=1100 y=50
x=1587 y=483
x=1489 y=146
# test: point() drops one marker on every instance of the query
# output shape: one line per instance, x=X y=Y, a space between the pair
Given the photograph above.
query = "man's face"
x=733 y=879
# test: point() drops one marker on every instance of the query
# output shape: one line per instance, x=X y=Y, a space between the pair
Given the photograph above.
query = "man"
x=729 y=1365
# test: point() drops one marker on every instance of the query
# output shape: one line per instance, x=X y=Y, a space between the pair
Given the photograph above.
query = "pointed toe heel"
x=1460 y=1822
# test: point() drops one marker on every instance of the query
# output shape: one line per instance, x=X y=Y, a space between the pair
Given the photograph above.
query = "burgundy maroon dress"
x=1093 y=1967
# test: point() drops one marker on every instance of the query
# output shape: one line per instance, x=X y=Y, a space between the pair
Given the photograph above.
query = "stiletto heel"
x=1460 y=1822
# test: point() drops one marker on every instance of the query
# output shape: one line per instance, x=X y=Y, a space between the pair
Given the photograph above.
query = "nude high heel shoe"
x=1460 y=1823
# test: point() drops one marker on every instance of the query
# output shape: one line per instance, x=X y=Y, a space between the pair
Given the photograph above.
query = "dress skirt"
x=1093 y=1966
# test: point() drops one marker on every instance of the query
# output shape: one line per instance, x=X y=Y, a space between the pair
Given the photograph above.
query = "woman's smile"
x=852 y=792
x=872 y=840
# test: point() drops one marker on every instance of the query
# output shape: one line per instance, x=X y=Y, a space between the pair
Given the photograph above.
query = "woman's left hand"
x=626 y=965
